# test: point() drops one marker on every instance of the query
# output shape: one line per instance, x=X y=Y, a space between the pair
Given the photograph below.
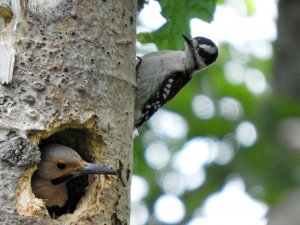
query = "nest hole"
x=83 y=142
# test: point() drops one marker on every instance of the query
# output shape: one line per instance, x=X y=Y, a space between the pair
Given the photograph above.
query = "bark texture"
x=74 y=84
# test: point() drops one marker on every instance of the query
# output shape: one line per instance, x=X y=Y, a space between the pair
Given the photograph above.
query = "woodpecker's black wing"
x=167 y=90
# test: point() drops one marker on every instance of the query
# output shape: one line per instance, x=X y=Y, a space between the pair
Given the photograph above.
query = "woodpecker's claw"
x=138 y=63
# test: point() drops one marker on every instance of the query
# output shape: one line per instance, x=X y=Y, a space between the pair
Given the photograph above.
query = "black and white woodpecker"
x=162 y=74
x=59 y=165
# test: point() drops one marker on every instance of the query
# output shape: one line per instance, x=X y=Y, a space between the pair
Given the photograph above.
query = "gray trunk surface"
x=73 y=82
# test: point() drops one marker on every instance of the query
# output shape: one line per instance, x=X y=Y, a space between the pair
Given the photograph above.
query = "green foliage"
x=178 y=14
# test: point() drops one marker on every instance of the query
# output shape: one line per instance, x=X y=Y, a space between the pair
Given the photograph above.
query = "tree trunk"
x=287 y=67
x=287 y=84
x=73 y=83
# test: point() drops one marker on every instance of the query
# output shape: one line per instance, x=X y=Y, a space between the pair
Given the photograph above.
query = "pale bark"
x=73 y=83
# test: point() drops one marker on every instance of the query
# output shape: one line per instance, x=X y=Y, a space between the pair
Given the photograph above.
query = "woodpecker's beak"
x=88 y=168
x=188 y=41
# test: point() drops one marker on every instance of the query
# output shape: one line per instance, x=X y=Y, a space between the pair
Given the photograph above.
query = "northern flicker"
x=59 y=165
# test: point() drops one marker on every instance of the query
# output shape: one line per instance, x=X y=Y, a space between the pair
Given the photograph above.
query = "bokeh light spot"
x=152 y=10
x=192 y=157
x=169 y=209
x=193 y=181
x=169 y=124
x=255 y=81
x=203 y=107
x=246 y=134
x=234 y=72
x=139 y=214
x=261 y=49
x=230 y=108
x=226 y=206
x=172 y=183
x=157 y=155
x=225 y=153
x=139 y=188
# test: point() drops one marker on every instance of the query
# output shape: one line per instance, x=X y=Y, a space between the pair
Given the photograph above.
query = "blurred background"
x=225 y=150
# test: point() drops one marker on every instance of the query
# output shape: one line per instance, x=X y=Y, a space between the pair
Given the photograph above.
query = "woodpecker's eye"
x=61 y=166
x=201 y=51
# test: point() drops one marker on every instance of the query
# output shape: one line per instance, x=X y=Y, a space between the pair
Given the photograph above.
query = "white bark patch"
x=11 y=31
x=44 y=7
x=7 y=60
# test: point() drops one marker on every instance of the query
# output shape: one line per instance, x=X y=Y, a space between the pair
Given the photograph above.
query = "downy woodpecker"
x=162 y=74
x=59 y=165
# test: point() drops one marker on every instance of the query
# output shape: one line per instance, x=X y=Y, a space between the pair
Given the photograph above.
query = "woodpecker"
x=162 y=74
x=59 y=165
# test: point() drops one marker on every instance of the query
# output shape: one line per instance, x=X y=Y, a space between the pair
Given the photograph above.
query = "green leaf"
x=179 y=11
x=178 y=14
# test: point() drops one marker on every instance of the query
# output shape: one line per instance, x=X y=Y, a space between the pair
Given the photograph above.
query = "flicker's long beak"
x=188 y=41
x=88 y=168
x=91 y=168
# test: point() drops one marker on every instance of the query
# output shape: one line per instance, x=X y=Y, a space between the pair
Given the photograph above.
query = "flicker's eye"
x=61 y=166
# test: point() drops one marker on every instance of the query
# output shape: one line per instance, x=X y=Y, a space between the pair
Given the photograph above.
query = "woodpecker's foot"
x=139 y=63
